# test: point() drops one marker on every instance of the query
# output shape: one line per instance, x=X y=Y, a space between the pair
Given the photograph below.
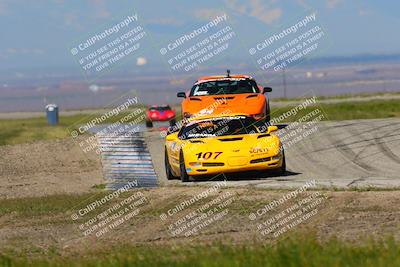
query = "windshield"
x=225 y=87
x=218 y=127
x=163 y=108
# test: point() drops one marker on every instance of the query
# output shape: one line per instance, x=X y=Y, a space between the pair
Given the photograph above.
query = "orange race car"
x=213 y=95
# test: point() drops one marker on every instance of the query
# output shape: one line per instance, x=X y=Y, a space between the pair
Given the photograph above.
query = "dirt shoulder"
x=350 y=216
x=46 y=168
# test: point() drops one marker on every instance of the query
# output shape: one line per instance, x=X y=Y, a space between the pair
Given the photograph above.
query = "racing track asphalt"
x=340 y=154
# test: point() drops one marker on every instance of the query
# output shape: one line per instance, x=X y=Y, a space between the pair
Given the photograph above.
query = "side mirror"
x=171 y=137
x=267 y=89
x=181 y=94
x=272 y=128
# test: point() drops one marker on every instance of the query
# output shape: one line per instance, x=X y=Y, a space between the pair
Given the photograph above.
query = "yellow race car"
x=226 y=144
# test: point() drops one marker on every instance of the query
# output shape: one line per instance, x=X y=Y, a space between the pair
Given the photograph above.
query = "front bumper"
x=234 y=165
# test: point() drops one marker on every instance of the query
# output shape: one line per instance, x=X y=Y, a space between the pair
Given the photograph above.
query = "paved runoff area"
x=343 y=154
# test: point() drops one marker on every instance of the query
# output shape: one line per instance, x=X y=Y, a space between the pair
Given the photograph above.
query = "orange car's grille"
x=224 y=98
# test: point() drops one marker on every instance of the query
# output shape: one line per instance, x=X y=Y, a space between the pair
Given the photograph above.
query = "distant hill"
x=356 y=59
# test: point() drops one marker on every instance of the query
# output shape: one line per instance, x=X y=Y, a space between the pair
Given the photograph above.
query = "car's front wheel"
x=168 y=171
x=267 y=118
x=183 y=174
x=149 y=124
x=267 y=112
x=172 y=123
x=276 y=172
x=282 y=170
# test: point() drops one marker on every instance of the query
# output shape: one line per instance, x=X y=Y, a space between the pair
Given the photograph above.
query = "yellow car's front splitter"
x=238 y=164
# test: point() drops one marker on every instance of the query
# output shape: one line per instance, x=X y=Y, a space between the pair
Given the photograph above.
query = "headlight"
x=277 y=156
x=195 y=164
x=259 y=116
x=187 y=114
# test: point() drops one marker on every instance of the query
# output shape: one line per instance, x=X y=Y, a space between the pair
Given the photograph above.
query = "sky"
x=40 y=34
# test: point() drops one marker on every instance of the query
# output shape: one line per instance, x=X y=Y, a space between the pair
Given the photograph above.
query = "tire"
x=267 y=113
x=282 y=170
x=168 y=171
x=268 y=118
x=149 y=124
x=183 y=174
x=172 y=123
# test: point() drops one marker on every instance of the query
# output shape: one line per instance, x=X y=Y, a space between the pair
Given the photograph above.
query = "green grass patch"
x=58 y=205
x=17 y=131
x=358 y=110
x=346 y=110
x=29 y=130
x=341 y=96
x=48 y=205
x=298 y=251
x=99 y=186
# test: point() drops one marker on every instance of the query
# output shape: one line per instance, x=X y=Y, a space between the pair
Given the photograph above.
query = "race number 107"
x=208 y=155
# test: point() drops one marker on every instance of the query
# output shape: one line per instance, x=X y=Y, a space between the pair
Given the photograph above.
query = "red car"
x=160 y=113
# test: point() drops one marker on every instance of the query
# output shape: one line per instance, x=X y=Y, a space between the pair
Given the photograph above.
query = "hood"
x=252 y=103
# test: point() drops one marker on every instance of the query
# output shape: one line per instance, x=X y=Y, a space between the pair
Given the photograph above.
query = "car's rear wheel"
x=168 y=170
x=149 y=124
x=183 y=174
